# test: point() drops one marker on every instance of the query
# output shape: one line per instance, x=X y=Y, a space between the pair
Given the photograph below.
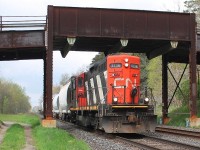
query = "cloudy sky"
x=29 y=74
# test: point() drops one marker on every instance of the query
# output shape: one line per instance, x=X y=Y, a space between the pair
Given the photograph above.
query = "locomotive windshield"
x=80 y=82
x=115 y=65
x=134 y=66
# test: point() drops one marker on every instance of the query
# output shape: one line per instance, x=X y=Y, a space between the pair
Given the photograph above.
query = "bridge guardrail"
x=8 y=23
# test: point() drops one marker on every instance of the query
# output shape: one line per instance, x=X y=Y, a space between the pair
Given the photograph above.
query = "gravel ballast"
x=95 y=141
x=101 y=142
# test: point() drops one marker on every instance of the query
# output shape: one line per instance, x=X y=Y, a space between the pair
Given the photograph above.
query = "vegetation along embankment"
x=44 y=138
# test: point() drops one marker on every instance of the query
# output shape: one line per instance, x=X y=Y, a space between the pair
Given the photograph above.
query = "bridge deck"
x=148 y=32
x=19 y=45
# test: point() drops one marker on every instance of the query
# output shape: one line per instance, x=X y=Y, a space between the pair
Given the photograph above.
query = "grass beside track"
x=178 y=119
x=1 y=122
x=44 y=138
x=54 y=138
x=14 y=138
x=31 y=119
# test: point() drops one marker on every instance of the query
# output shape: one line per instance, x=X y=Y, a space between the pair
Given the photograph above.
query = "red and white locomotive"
x=108 y=97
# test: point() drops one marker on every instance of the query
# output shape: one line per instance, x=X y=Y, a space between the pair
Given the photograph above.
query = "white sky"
x=29 y=74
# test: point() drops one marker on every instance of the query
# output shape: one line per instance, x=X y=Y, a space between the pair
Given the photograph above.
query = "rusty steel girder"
x=48 y=62
x=22 y=45
x=22 y=39
x=192 y=67
x=114 y=23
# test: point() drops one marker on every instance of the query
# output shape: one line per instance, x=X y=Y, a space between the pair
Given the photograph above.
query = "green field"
x=44 y=138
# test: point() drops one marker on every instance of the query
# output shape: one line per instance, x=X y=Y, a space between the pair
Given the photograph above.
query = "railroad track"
x=182 y=132
x=140 y=141
x=153 y=143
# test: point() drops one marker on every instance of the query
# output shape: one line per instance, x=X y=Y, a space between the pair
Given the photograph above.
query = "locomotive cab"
x=124 y=79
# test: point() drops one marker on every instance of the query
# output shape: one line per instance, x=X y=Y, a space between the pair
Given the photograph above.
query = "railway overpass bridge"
x=172 y=35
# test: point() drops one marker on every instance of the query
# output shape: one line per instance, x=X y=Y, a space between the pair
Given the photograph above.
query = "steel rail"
x=134 y=143
x=175 y=143
x=161 y=141
x=178 y=131
x=157 y=140
x=137 y=144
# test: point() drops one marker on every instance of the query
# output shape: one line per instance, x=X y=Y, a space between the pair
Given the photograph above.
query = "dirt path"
x=27 y=129
x=29 y=141
x=3 y=129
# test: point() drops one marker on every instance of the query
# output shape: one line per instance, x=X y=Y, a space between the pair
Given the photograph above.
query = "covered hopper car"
x=55 y=105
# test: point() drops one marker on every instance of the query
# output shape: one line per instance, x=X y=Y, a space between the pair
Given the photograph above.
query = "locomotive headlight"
x=126 y=60
x=115 y=99
x=126 y=65
x=146 y=100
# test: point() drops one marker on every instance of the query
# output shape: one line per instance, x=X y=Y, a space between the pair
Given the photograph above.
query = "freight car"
x=60 y=102
x=55 y=106
x=108 y=97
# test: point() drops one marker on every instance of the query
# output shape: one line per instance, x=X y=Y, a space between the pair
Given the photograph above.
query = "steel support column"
x=192 y=62
x=164 y=89
x=1 y=23
x=48 y=66
x=198 y=85
x=44 y=84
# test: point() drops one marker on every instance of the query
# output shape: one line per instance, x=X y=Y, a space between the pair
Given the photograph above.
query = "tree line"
x=13 y=98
